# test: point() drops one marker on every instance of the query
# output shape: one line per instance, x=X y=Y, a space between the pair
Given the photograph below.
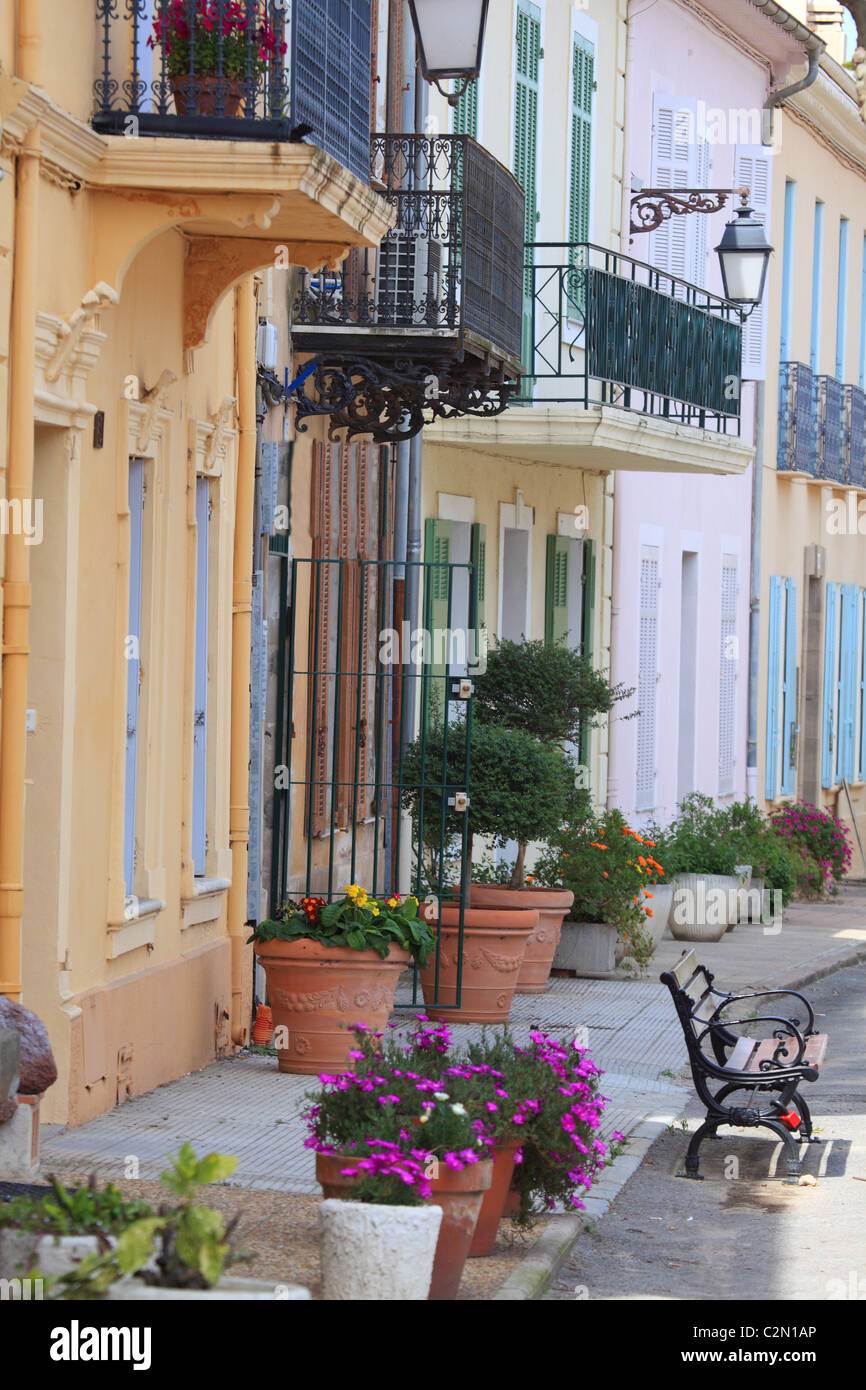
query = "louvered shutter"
x=588 y=596
x=754 y=170
x=774 y=703
x=525 y=165
x=728 y=675
x=133 y=667
x=647 y=686
x=789 y=692
x=831 y=660
x=332 y=52
x=199 y=776
x=861 y=772
x=464 y=116
x=437 y=592
x=580 y=181
x=556 y=592
x=848 y=681
x=479 y=564
x=673 y=166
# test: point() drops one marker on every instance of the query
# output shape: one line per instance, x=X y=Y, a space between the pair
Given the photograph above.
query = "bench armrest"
x=786 y=1027
x=776 y=993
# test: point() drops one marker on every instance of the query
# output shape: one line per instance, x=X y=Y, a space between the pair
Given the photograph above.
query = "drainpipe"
x=242 y=607
x=814 y=47
x=414 y=526
x=755 y=595
x=19 y=485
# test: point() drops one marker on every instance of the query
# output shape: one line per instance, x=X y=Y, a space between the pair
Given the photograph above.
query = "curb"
x=539 y=1268
x=832 y=961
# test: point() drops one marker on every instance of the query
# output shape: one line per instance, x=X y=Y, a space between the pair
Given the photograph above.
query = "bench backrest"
x=690 y=984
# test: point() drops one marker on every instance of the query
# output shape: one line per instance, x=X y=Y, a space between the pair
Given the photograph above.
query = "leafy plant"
x=356 y=920
x=83 y=1211
x=214 y=44
x=610 y=868
x=699 y=839
x=181 y=1247
x=819 y=845
x=757 y=842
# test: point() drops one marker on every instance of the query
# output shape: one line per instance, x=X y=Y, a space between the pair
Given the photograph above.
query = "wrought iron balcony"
x=822 y=427
x=238 y=69
x=606 y=328
x=430 y=322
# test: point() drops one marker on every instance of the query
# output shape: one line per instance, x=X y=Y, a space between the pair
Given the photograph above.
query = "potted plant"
x=700 y=854
x=397 y=1103
x=613 y=872
x=212 y=57
x=51 y=1234
x=179 y=1253
x=520 y=789
x=554 y=694
x=329 y=965
x=768 y=855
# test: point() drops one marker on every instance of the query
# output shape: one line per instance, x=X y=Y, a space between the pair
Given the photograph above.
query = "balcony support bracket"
x=393 y=400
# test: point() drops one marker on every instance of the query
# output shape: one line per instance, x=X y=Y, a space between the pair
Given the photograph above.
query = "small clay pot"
x=206 y=96
x=493 y=1203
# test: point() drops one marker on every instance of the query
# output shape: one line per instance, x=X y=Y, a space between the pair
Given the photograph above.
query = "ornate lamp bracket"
x=653 y=206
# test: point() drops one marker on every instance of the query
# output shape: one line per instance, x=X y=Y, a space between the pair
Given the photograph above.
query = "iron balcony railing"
x=451 y=269
x=238 y=69
x=606 y=328
x=822 y=427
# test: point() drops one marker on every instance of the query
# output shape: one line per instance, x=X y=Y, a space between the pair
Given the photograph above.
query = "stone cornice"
x=829 y=107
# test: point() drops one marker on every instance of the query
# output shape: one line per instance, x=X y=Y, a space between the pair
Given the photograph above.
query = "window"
x=830 y=720
x=850 y=665
x=582 y=103
x=817 y=258
x=199 y=777
x=133 y=669
x=525 y=163
x=647 y=685
x=754 y=170
x=861 y=379
x=782 y=692
x=568 y=602
x=679 y=160
x=842 y=298
x=728 y=676
x=788 y=270
x=453 y=615
x=464 y=116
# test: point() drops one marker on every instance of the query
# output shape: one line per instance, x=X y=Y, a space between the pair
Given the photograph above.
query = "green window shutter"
x=465 y=113
x=479 y=563
x=771 y=772
x=588 y=595
x=437 y=554
x=580 y=182
x=526 y=87
x=556 y=594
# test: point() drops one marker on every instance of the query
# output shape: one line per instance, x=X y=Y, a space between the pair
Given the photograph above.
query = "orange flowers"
x=594 y=844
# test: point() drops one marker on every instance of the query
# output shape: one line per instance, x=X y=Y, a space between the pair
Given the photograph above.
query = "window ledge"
x=137 y=931
x=206 y=887
x=206 y=903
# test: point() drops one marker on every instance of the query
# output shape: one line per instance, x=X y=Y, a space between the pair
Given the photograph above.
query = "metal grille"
x=611 y=329
x=855 y=436
x=796 y=418
x=331 y=76
x=728 y=675
x=451 y=266
x=647 y=687
x=829 y=459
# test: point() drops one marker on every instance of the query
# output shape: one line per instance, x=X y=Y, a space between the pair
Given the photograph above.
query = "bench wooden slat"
x=816 y=1051
x=741 y=1055
x=685 y=968
x=697 y=987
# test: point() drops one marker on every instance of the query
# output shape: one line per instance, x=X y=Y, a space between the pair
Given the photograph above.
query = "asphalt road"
x=742 y=1233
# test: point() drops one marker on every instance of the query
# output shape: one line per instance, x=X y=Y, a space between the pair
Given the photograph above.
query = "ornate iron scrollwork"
x=653 y=206
x=393 y=400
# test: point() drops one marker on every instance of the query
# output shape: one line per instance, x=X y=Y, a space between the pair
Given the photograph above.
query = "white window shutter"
x=698 y=231
x=728 y=676
x=678 y=162
x=754 y=170
x=647 y=686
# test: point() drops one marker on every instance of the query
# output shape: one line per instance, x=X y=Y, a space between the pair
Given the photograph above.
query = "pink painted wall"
x=670 y=50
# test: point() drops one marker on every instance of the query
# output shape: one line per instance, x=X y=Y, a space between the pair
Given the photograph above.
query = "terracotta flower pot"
x=207 y=96
x=551 y=904
x=316 y=992
x=494 y=944
x=494 y=1200
x=458 y=1193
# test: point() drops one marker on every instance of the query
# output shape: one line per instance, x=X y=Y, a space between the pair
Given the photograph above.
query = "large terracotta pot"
x=458 y=1193
x=494 y=944
x=494 y=1200
x=203 y=96
x=317 y=991
x=551 y=904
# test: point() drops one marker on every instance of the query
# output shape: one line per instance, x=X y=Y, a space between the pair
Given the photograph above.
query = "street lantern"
x=450 y=36
x=744 y=255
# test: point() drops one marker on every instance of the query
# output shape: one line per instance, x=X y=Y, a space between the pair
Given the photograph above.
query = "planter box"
x=24 y=1250
x=586 y=946
x=229 y=1287
x=702 y=906
x=662 y=899
x=373 y=1252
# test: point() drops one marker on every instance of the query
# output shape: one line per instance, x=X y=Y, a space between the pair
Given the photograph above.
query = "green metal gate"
x=372 y=736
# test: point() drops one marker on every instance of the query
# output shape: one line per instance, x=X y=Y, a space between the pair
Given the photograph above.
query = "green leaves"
x=360 y=928
x=135 y=1245
x=551 y=692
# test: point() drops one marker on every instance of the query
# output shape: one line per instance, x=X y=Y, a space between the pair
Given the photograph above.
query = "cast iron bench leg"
x=692 y=1159
x=806 y=1135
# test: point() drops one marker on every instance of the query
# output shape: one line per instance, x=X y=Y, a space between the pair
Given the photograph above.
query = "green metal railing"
x=608 y=329
x=372 y=736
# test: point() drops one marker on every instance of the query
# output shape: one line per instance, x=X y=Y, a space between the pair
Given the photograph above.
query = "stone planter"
x=586 y=946
x=755 y=905
x=21 y=1251
x=657 y=925
x=702 y=906
x=551 y=904
x=494 y=944
x=229 y=1287
x=375 y=1253
x=316 y=992
x=744 y=879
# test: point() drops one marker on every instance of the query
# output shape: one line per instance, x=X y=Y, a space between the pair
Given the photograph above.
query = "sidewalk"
x=244 y=1106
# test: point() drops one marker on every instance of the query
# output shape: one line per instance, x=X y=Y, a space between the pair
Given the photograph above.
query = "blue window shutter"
x=773 y=691
x=133 y=668
x=789 y=688
x=828 y=739
x=848 y=682
x=861 y=772
x=199 y=770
